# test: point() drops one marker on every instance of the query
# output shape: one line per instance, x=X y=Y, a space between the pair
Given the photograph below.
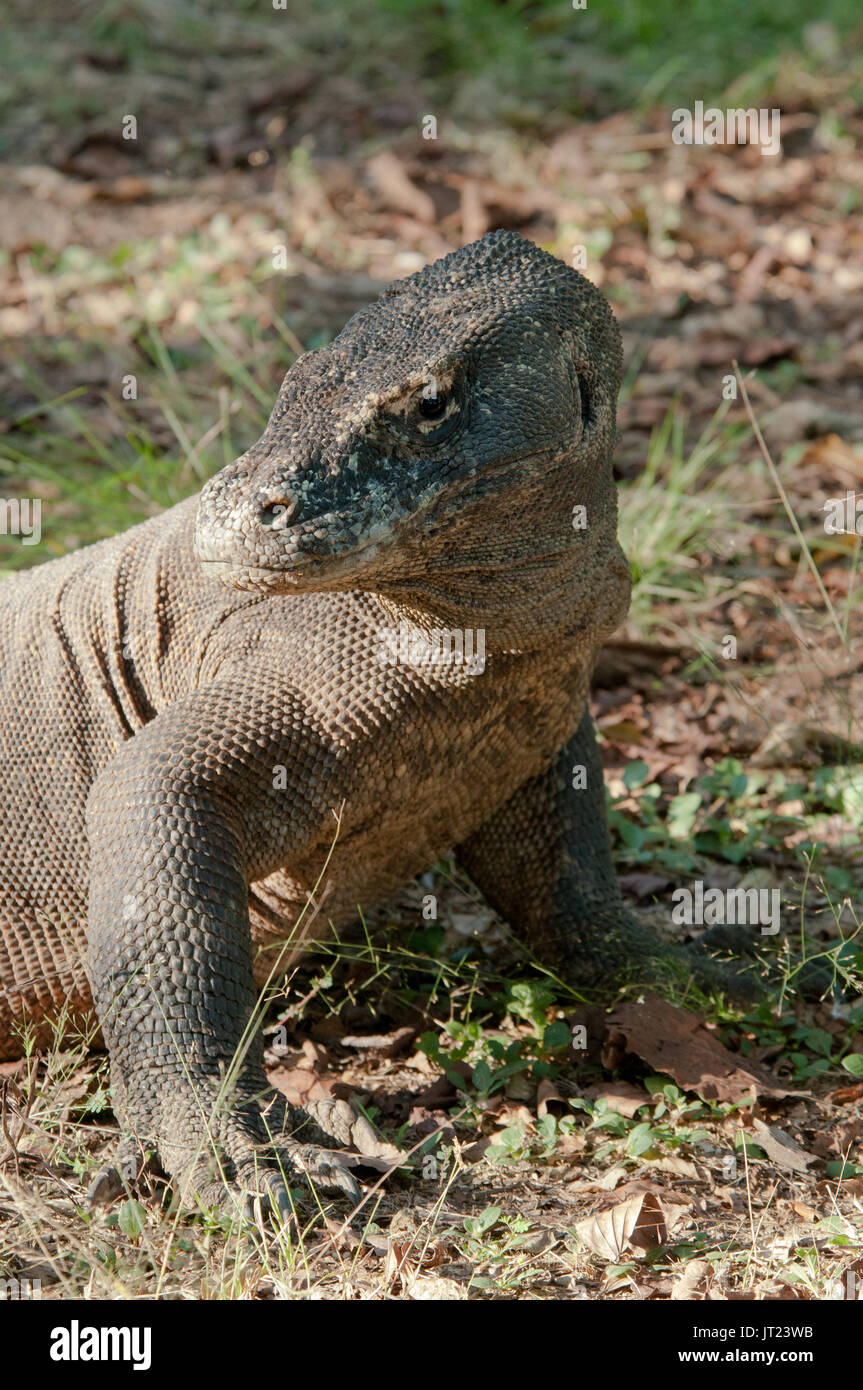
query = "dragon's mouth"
x=305 y=572
x=341 y=561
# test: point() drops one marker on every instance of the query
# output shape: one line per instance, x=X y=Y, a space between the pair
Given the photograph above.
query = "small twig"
x=748 y=1189
x=765 y=454
x=5 y=1108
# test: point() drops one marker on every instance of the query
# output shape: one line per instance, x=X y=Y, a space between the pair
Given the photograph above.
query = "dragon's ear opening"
x=586 y=397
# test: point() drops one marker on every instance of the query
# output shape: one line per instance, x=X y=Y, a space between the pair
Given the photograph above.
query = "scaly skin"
x=187 y=706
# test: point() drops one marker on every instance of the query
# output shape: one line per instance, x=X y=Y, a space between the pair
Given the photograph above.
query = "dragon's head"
x=452 y=444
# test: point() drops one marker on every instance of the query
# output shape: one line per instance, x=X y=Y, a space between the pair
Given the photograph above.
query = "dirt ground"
x=671 y=1151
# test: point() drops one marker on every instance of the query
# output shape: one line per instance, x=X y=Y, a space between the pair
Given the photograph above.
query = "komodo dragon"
x=189 y=706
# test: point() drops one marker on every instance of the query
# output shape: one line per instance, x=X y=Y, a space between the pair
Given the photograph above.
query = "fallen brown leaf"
x=843 y=1096
x=681 y=1167
x=388 y=1044
x=436 y=1288
x=806 y=1212
x=549 y=1101
x=676 y=1043
x=848 y=1187
x=637 y=1224
x=781 y=1148
x=694 y=1282
x=619 y=1096
x=297 y=1084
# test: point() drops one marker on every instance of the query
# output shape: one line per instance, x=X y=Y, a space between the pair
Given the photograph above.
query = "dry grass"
x=172 y=279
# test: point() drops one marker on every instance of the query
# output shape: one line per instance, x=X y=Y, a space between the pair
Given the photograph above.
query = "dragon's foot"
x=247 y=1154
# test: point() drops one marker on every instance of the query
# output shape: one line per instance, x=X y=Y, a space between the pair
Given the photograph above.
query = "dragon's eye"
x=432 y=405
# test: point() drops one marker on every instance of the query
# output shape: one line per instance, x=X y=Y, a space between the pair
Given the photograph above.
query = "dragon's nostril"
x=280 y=513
